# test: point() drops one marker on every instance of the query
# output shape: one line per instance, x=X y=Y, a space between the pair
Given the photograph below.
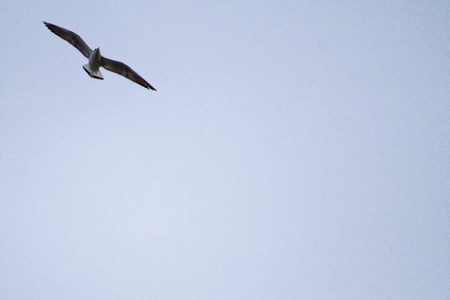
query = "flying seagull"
x=96 y=60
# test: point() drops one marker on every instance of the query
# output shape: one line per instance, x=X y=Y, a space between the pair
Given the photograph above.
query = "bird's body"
x=93 y=67
x=96 y=60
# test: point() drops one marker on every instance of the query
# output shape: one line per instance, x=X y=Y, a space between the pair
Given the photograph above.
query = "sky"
x=293 y=150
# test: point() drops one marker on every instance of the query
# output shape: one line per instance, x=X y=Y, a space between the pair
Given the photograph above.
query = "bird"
x=96 y=60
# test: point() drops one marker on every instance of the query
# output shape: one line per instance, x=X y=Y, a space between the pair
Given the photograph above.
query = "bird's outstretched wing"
x=124 y=70
x=71 y=37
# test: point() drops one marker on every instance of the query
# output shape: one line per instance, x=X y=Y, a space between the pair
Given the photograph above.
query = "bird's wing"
x=71 y=37
x=124 y=70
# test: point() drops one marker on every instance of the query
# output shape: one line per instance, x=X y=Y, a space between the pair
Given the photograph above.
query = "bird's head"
x=96 y=52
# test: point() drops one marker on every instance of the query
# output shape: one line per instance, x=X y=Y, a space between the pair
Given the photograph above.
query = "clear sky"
x=293 y=150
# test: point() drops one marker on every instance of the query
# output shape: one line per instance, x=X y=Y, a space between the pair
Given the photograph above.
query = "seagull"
x=96 y=60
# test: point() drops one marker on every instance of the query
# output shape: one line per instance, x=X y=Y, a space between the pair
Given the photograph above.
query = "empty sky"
x=293 y=150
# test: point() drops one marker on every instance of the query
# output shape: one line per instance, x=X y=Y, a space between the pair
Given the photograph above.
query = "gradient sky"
x=293 y=150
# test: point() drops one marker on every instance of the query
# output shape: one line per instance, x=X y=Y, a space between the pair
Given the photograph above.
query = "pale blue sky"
x=293 y=150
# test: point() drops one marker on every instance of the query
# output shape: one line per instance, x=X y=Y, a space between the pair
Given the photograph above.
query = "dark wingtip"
x=48 y=25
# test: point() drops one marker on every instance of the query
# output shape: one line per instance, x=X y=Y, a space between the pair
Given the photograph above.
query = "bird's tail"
x=94 y=74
